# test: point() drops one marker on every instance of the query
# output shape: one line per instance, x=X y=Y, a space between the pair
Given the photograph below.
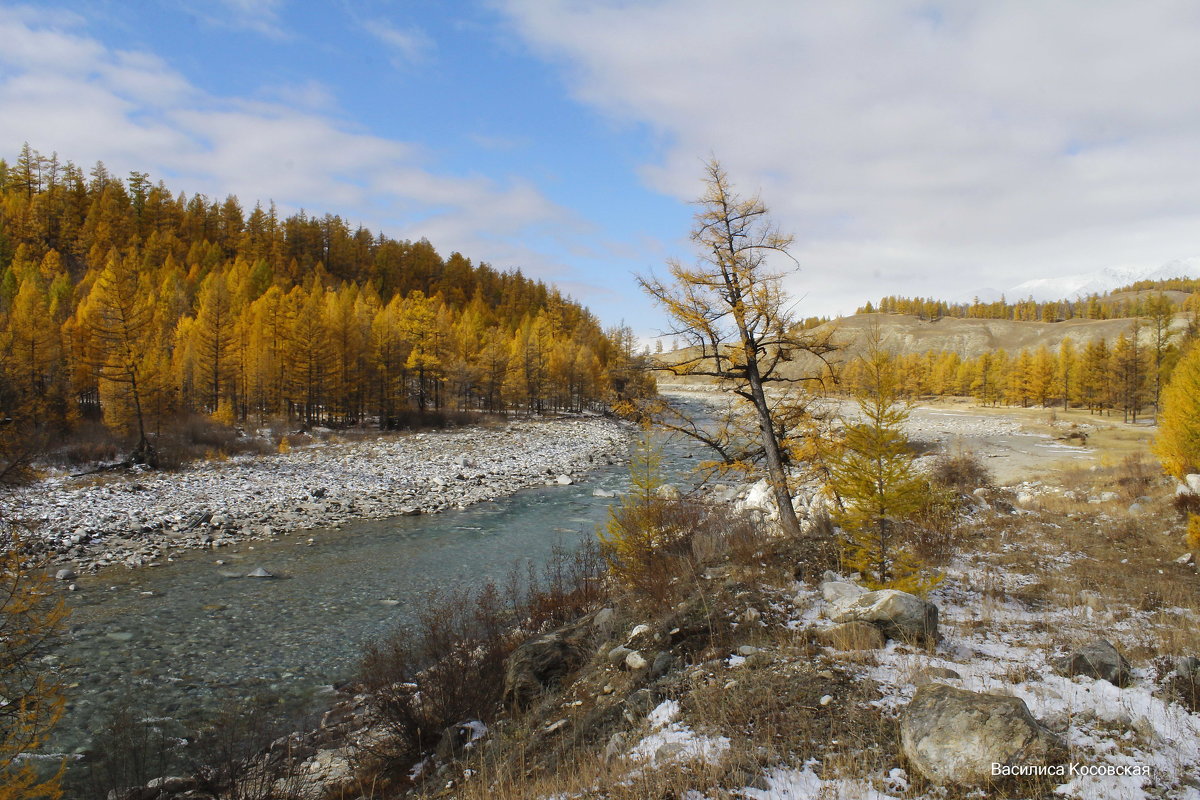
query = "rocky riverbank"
x=141 y=518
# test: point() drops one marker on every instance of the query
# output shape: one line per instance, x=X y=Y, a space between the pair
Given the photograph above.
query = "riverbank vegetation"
x=126 y=304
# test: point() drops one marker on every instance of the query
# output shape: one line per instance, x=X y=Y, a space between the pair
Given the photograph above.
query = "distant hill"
x=905 y=334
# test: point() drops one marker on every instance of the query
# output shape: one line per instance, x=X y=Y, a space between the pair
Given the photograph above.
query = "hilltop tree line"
x=1126 y=374
x=1150 y=300
x=123 y=302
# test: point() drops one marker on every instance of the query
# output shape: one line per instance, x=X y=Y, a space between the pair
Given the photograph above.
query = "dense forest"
x=1124 y=375
x=126 y=303
x=1149 y=298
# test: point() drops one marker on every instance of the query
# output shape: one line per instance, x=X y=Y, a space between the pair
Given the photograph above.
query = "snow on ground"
x=134 y=518
x=1001 y=647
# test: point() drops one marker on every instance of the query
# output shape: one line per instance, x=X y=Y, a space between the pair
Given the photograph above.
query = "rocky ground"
x=140 y=518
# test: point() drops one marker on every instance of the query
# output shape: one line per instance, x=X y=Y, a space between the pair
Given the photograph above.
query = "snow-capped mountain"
x=1069 y=287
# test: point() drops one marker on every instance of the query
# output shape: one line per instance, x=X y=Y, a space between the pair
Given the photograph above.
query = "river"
x=180 y=639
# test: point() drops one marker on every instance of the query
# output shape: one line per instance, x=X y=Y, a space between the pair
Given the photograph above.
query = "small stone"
x=1186 y=558
x=826 y=699
x=663 y=662
x=747 y=650
x=617 y=655
x=259 y=572
x=65 y=575
x=635 y=661
x=564 y=480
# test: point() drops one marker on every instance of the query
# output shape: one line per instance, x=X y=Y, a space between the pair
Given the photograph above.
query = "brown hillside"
x=905 y=334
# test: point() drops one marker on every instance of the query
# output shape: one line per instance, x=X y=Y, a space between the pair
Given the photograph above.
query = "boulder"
x=564 y=480
x=538 y=665
x=899 y=615
x=760 y=498
x=852 y=636
x=663 y=662
x=836 y=591
x=953 y=736
x=259 y=572
x=65 y=575
x=1193 y=482
x=1099 y=660
x=604 y=622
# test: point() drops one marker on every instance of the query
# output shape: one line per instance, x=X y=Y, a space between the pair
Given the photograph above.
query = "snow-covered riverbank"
x=138 y=519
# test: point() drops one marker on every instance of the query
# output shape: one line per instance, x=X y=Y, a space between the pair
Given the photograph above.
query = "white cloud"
x=261 y=16
x=409 y=45
x=913 y=147
x=62 y=91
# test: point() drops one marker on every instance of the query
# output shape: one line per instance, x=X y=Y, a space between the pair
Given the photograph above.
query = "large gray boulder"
x=1099 y=660
x=899 y=615
x=953 y=736
x=538 y=665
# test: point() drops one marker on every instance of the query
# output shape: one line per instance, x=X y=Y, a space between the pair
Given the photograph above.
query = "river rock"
x=259 y=572
x=899 y=615
x=953 y=736
x=1099 y=660
x=564 y=480
x=667 y=492
x=65 y=575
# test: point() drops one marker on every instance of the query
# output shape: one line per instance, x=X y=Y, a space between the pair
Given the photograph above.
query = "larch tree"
x=1178 y=442
x=876 y=480
x=215 y=342
x=1161 y=313
x=1066 y=370
x=730 y=308
x=119 y=318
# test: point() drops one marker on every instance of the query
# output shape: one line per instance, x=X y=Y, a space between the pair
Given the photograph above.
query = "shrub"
x=448 y=666
x=648 y=535
x=962 y=471
x=1193 y=533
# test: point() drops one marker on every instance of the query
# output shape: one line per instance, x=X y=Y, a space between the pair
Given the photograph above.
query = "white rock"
x=1193 y=482
x=834 y=591
x=564 y=480
x=634 y=661
x=1109 y=497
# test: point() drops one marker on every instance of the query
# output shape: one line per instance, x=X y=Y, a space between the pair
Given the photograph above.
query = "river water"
x=185 y=637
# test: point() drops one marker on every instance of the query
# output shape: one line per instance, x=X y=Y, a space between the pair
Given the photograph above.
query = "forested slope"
x=123 y=301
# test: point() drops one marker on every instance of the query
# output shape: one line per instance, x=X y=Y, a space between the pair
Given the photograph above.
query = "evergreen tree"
x=877 y=481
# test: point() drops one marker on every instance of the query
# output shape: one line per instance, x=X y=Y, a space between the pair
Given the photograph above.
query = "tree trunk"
x=776 y=473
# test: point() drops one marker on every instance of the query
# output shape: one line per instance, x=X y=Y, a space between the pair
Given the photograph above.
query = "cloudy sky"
x=912 y=147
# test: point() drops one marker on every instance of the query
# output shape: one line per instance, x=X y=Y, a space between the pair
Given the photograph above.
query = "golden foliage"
x=1178 y=442
x=29 y=618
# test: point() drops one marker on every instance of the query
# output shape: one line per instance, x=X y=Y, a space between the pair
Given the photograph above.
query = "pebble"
x=213 y=504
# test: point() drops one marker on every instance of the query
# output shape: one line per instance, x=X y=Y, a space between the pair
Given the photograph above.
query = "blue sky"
x=912 y=147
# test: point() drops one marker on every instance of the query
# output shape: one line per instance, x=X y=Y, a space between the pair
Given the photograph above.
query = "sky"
x=913 y=148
